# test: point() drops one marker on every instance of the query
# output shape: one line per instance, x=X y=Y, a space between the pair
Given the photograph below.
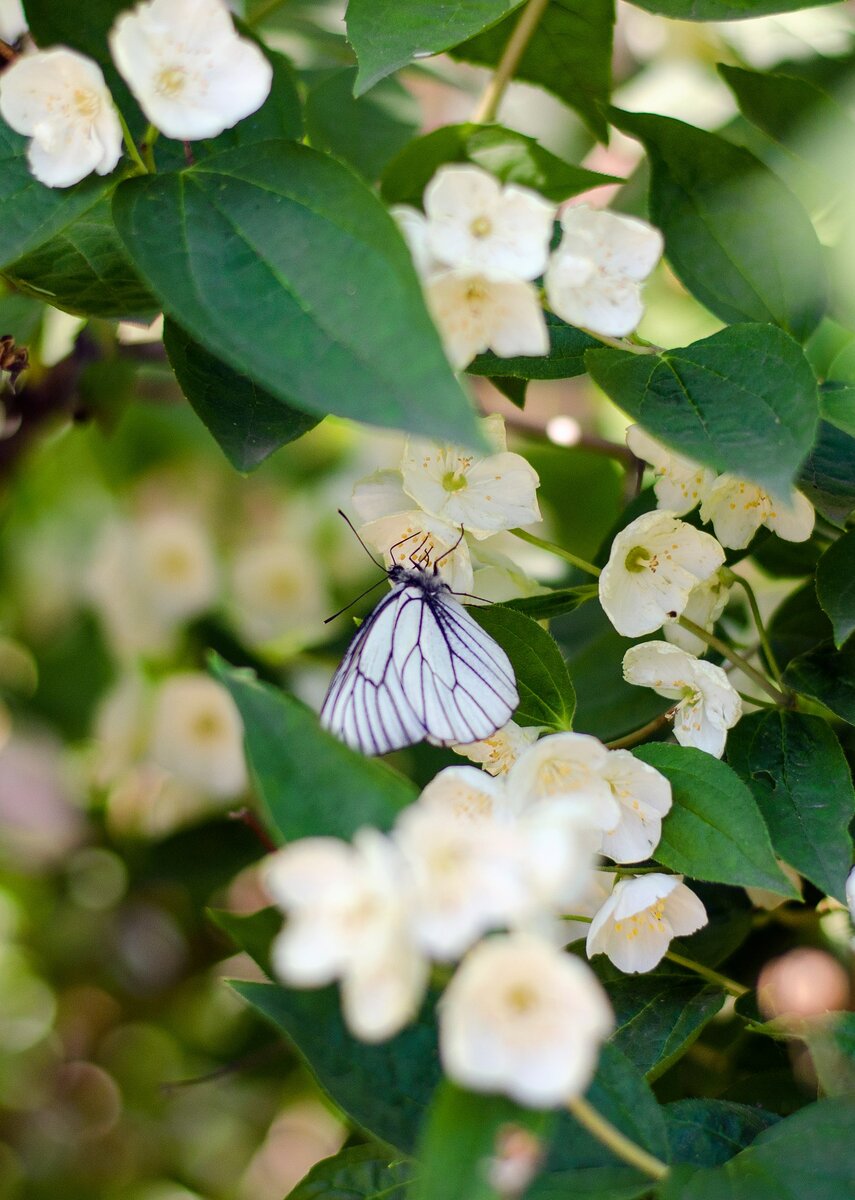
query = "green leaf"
x=659 y=1014
x=569 y=54
x=252 y=933
x=832 y=1049
x=385 y=1088
x=743 y=400
x=798 y=625
x=358 y=1173
x=714 y=830
x=83 y=25
x=510 y=156
x=708 y=1133
x=722 y=10
x=344 y=325
x=309 y=783
x=799 y=776
x=247 y=423
x=810 y=1154
x=365 y=132
x=828 y=475
x=460 y=1137
x=827 y=675
x=388 y=34
x=566 y=358
x=837 y=405
x=554 y=603
x=835 y=586
x=734 y=233
x=543 y=681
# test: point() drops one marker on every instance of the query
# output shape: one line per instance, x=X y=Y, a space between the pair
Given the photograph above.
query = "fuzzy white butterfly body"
x=419 y=667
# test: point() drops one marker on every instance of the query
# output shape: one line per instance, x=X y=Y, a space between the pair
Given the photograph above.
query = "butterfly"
x=419 y=667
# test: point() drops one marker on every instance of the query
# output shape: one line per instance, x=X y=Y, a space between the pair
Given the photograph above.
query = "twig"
x=729 y=985
x=488 y=105
x=781 y=700
x=612 y=1138
x=589 y=568
x=638 y=735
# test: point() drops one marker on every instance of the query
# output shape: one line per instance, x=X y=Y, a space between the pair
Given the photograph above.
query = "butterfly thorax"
x=428 y=581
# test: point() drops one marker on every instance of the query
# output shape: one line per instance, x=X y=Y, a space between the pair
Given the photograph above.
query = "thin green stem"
x=612 y=1138
x=131 y=146
x=589 y=568
x=638 y=735
x=151 y=136
x=758 y=621
x=263 y=12
x=781 y=701
x=729 y=985
x=754 y=700
x=620 y=343
x=488 y=105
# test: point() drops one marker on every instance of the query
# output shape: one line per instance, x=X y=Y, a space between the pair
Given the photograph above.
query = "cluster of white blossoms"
x=188 y=69
x=479 y=246
x=479 y=871
x=416 y=515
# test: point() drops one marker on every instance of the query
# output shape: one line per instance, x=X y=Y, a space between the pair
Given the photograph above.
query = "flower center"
x=453 y=481
x=475 y=293
x=173 y=563
x=207 y=727
x=638 y=559
x=521 y=998
x=481 y=227
x=557 y=775
x=170 y=81
x=87 y=103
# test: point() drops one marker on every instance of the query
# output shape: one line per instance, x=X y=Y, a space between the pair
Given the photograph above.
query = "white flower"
x=347 y=910
x=497 y=754
x=681 y=483
x=60 y=100
x=636 y=924
x=644 y=796
x=190 y=71
x=197 y=734
x=707 y=601
x=278 y=592
x=523 y=1018
x=737 y=509
x=466 y=793
x=413 y=538
x=653 y=566
x=13 y=23
x=414 y=230
x=477 y=225
x=483 y=494
x=475 y=313
x=570 y=766
x=850 y=893
x=708 y=705
x=174 y=565
x=594 y=277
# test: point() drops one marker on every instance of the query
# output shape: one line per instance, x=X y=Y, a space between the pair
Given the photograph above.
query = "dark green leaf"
x=569 y=54
x=358 y=1173
x=252 y=933
x=721 y=10
x=247 y=423
x=510 y=156
x=546 y=690
x=659 y=1014
x=21 y=317
x=708 y=1133
x=797 y=770
x=743 y=400
x=714 y=830
x=835 y=586
x=309 y=783
x=320 y=257
x=566 y=358
x=365 y=132
x=512 y=388
x=837 y=405
x=734 y=233
x=388 y=34
x=385 y=1089
x=828 y=475
x=827 y=675
x=798 y=625
x=554 y=603
x=832 y=1049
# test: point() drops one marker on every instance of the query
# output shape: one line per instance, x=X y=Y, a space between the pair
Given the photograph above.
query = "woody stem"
x=589 y=568
x=488 y=105
x=612 y=1138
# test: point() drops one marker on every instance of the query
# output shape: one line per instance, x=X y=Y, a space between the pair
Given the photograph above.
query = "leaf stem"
x=130 y=145
x=758 y=621
x=620 y=343
x=488 y=105
x=263 y=12
x=151 y=136
x=729 y=985
x=612 y=1138
x=727 y=652
x=589 y=568
x=638 y=735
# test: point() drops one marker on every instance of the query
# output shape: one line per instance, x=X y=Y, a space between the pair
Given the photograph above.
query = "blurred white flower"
x=475 y=313
x=737 y=509
x=568 y=765
x=121 y=728
x=654 y=564
x=467 y=793
x=707 y=601
x=708 y=705
x=594 y=277
x=131 y=624
x=644 y=796
x=681 y=483
x=197 y=734
x=13 y=23
x=60 y=100
x=476 y=225
x=635 y=926
x=277 y=591
x=174 y=566
x=850 y=893
x=191 y=73
x=497 y=754
x=482 y=494
x=414 y=230
x=525 y=1019
x=765 y=41
x=348 y=909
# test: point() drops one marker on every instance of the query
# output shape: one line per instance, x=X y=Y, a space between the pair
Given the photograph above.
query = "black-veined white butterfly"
x=419 y=667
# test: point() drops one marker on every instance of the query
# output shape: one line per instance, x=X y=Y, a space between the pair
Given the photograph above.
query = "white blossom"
x=644 y=796
x=197 y=734
x=523 y=1018
x=594 y=277
x=414 y=230
x=497 y=754
x=707 y=601
x=681 y=483
x=481 y=493
x=654 y=564
x=475 y=313
x=277 y=590
x=850 y=893
x=635 y=926
x=570 y=766
x=737 y=509
x=413 y=538
x=708 y=705
x=59 y=99
x=174 y=564
x=476 y=225
x=347 y=909
x=13 y=22
x=191 y=73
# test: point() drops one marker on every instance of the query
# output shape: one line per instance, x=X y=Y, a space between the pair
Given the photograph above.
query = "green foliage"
x=709 y=1132
x=828 y=475
x=721 y=10
x=365 y=132
x=555 y=603
x=835 y=586
x=827 y=675
x=566 y=358
x=359 y=1173
x=546 y=690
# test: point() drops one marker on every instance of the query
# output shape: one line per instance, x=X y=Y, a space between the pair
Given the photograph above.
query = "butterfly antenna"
x=364 y=547
x=437 y=561
x=354 y=601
